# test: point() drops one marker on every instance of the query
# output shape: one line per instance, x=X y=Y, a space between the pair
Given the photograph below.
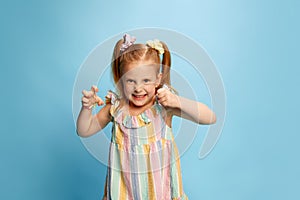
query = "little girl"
x=144 y=160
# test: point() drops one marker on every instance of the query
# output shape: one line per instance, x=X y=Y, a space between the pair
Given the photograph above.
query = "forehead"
x=141 y=68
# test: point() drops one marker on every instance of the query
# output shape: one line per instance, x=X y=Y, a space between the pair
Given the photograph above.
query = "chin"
x=138 y=103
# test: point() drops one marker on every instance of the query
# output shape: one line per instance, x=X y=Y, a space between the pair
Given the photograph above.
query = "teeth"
x=138 y=96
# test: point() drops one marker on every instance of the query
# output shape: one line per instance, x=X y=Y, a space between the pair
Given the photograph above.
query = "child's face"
x=139 y=81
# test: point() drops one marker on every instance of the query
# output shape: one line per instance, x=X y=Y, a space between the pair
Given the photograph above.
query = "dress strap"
x=113 y=99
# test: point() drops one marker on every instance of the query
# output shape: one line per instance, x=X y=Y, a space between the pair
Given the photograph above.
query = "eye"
x=147 y=81
x=130 y=81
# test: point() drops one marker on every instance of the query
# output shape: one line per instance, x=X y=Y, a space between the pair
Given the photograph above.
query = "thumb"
x=160 y=91
x=99 y=101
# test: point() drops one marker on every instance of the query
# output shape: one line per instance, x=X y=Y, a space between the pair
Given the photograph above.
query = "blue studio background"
x=254 y=44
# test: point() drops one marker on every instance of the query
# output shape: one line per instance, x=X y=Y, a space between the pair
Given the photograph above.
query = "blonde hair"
x=139 y=52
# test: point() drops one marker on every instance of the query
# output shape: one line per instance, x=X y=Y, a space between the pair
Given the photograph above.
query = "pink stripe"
x=126 y=137
x=156 y=170
x=166 y=172
x=125 y=165
x=157 y=128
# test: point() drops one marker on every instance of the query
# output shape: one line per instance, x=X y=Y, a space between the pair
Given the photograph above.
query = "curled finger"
x=84 y=93
x=84 y=100
x=94 y=89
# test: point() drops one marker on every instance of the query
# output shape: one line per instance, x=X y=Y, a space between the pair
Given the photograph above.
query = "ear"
x=158 y=80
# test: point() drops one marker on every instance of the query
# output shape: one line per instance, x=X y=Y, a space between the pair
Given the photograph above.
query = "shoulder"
x=104 y=113
x=111 y=102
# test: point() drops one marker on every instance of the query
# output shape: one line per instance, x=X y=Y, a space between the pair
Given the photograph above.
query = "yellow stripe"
x=119 y=135
x=149 y=173
x=140 y=121
x=123 y=192
x=150 y=134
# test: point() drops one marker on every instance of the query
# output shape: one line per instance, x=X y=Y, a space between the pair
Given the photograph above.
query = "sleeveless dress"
x=143 y=158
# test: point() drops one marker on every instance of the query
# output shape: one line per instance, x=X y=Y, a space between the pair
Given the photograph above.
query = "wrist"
x=177 y=103
x=87 y=108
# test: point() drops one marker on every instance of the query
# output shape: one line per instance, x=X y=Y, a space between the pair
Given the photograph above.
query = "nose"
x=138 y=87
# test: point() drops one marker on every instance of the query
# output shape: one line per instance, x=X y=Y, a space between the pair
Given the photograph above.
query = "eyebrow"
x=142 y=77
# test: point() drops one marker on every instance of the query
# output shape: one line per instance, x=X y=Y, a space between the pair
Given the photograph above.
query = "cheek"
x=151 y=90
x=127 y=90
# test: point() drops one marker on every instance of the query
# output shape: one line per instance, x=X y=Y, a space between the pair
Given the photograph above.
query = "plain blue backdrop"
x=254 y=44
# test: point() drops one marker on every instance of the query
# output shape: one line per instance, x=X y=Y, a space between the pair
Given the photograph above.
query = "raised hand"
x=167 y=99
x=90 y=98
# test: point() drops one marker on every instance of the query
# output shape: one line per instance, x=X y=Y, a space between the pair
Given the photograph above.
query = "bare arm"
x=194 y=111
x=186 y=108
x=88 y=124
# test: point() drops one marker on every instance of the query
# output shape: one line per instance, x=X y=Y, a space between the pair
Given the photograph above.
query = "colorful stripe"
x=143 y=162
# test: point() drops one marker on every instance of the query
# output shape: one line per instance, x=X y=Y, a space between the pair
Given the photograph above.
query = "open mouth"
x=139 y=97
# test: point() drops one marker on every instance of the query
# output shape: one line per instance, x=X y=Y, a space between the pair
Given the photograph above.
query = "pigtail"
x=166 y=65
x=115 y=65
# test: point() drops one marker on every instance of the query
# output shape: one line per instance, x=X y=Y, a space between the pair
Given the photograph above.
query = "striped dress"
x=143 y=160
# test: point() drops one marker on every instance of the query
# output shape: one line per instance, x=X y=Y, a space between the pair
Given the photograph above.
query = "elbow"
x=87 y=133
x=83 y=134
x=213 y=119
